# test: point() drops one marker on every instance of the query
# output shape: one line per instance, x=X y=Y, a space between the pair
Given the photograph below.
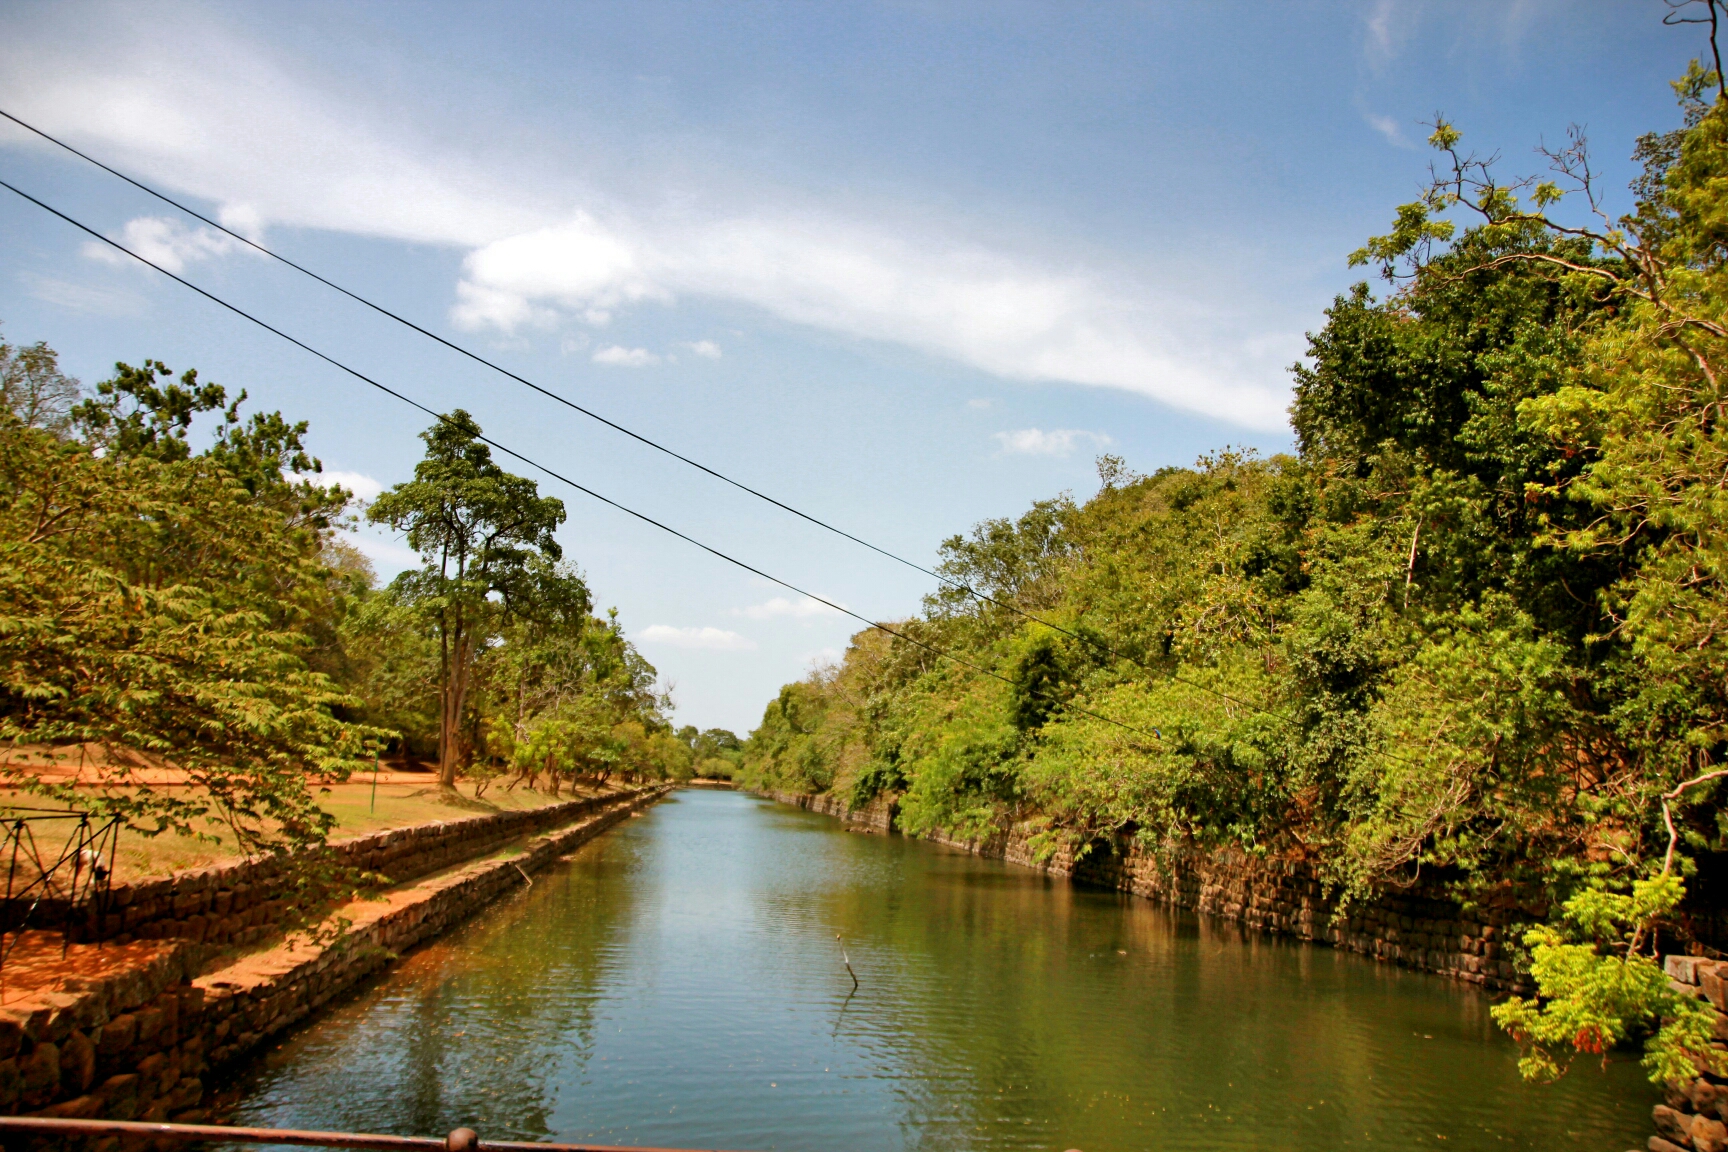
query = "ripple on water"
x=679 y=982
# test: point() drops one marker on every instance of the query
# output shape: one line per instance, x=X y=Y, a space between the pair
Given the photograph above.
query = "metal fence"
x=74 y=880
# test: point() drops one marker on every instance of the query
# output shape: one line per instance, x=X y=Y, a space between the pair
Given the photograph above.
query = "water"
x=679 y=982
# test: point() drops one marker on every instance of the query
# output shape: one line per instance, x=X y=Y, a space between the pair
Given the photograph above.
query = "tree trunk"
x=450 y=723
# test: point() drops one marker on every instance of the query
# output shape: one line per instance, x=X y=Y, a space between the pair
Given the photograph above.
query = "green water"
x=678 y=982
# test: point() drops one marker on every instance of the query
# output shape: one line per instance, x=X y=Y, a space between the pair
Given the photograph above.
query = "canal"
x=679 y=981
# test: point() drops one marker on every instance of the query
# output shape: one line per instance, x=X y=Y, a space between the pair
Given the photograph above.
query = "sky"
x=903 y=266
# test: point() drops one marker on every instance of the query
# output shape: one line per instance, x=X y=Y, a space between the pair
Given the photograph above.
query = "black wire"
x=358 y=375
x=961 y=586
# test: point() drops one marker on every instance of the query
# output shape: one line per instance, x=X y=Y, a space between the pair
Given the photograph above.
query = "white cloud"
x=578 y=267
x=705 y=348
x=89 y=298
x=801 y=609
x=822 y=658
x=275 y=141
x=388 y=556
x=980 y=403
x=716 y=639
x=163 y=241
x=622 y=357
x=984 y=309
x=358 y=483
x=1056 y=442
x=1389 y=128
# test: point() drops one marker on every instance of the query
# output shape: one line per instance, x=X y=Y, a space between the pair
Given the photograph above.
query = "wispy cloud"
x=990 y=310
x=1056 y=442
x=705 y=348
x=272 y=145
x=822 y=658
x=801 y=609
x=621 y=357
x=166 y=242
x=90 y=298
x=1389 y=128
x=714 y=639
x=362 y=485
x=389 y=556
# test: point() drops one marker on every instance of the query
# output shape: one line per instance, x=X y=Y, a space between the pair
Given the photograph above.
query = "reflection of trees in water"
x=475 y=1030
x=997 y=1010
x=1021 y=1012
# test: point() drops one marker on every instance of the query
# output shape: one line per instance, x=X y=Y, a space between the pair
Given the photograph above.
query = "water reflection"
x=679 y=982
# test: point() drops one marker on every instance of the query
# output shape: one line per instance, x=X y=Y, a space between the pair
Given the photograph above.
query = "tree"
x=481 y=531
x=156 y=607
x=34 y=390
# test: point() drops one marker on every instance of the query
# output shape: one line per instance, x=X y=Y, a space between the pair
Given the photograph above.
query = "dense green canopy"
x=1475 y=630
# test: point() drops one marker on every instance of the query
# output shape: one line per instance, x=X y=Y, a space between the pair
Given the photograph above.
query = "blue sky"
x=902 y=265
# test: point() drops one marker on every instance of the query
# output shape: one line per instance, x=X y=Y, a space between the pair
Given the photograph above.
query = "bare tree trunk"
x=450 y=723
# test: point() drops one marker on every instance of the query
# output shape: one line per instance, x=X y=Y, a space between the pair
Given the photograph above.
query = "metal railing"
x=461 y=1140
x=77 y=877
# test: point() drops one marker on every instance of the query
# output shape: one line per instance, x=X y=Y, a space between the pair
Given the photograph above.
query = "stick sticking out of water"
x=847 y=960
x=525 y=876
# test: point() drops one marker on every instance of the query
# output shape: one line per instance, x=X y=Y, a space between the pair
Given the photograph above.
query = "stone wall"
x=879 y=814
x=138 y=1036
x=236 y=905
x=1693 y=1114
x=1416 y=928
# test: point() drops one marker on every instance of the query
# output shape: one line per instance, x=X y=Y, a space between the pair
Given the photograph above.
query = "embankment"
x=133 y=1030
x=1419 y=927
x=238 y=903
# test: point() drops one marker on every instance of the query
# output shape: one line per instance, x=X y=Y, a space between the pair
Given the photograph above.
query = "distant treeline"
x=204 y=609
x=1476 y=629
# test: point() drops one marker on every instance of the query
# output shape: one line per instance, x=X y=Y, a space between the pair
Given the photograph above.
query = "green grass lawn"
x=399 y=803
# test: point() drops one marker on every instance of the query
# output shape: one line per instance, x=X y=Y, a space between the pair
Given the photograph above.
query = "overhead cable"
x=958 y=585
x=642 y=516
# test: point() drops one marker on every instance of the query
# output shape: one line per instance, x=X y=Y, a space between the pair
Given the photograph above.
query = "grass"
x=402 y=799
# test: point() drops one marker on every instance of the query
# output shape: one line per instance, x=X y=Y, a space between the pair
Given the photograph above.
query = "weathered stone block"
x=186 y=1094
x=11 y=1084
x=78 y=1062
x=11 y=1035
x=1709 y=1135
x=117 y=1035
x=41 y=1076
x=1682 y=968
x=167 y=1006
x=1672 y=1124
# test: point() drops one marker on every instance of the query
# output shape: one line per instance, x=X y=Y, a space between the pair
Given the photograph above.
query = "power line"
x=958 y=585
x=642 y=516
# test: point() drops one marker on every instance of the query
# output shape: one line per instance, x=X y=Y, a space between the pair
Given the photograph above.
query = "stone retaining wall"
x=234 y=904
x=1693 y=1114
x=139 y=1041
x=1418 y=928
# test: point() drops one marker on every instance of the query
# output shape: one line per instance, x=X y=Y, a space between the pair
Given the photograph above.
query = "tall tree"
x=482 y=533
x=33 y=389
x=155 y=603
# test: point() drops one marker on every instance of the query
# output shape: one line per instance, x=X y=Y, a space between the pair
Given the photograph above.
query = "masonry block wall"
x=239 y=904
x=141 y=1042
x=1419 y=928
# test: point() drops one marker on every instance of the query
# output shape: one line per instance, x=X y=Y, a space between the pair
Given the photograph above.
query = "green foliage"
x=1598 y=990
x=485 y=536
x=152 y=605
x=715 y=753
x=34 y=390
x=1475 y=634
x=166 y=605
